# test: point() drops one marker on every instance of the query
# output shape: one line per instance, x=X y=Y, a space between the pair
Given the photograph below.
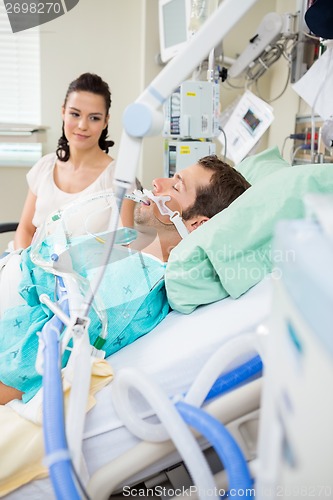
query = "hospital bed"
x=171 y=355
x=175 y=351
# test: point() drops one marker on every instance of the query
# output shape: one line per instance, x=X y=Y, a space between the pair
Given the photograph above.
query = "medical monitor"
x=174 y=20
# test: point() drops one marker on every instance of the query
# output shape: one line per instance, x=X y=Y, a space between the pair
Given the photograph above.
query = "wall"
x=105 y=37
x=121 y=46
x=119 y=41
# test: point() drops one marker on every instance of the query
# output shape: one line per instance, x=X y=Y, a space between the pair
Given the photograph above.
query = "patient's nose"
x=160 y=184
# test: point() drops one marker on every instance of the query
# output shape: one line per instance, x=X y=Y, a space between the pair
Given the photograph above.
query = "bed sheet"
x=172 y=354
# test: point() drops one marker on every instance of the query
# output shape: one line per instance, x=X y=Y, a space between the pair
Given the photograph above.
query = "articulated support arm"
x=142 y=118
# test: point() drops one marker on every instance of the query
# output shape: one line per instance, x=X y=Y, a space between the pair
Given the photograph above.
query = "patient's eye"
x=178 y=182
x=95 y=118
x=74 y=114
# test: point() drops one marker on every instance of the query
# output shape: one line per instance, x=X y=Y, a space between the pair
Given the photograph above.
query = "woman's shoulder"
x=49 y=159
x=112 y=163
x=45 y=162
x=42 y=169
x=109 y=170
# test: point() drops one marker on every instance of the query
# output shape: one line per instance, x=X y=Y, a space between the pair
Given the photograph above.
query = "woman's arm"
x=26 y=229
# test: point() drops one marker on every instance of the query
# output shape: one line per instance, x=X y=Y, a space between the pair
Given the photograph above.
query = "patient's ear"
x=196 y=222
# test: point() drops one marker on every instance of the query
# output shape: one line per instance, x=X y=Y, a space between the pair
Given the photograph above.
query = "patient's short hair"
x=225 y=185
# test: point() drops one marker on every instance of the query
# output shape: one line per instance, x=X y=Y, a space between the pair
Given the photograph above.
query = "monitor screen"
x=174 y=18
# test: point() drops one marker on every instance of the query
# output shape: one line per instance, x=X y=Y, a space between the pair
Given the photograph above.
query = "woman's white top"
x=49 y=197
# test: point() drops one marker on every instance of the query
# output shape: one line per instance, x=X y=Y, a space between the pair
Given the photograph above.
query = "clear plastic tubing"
x=172 y=425
x=56 y=450
x=217 y=364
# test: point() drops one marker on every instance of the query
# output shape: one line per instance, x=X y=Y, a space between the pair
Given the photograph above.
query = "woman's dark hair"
x=87 y=82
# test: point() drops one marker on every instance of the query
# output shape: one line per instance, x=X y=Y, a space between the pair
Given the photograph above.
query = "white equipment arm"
x=269 y=32
x=142 y=118
x=273 y=28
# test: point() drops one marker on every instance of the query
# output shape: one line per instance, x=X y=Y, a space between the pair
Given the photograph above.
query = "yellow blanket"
x=21 y=441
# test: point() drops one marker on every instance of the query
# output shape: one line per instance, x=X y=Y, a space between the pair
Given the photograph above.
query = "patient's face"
x=182 y=188
x=184 y=185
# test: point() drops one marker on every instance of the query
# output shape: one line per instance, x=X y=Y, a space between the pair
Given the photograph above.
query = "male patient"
x=133 y=287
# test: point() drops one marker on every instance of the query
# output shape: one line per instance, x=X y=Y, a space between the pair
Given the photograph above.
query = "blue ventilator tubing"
x=235 y=377
x=56 y=449
x=59 y=462
x=227 y=449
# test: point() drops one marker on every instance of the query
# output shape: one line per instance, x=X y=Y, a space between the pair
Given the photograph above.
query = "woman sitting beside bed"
x=198 y=193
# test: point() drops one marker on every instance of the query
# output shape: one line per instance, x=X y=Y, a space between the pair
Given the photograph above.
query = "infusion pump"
x=182 y=154
x=192 y=111
x=191 y=121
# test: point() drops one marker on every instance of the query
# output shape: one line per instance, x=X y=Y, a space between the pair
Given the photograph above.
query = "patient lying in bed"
x=132 y=290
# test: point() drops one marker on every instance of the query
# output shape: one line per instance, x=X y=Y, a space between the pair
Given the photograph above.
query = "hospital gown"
x=133 y=298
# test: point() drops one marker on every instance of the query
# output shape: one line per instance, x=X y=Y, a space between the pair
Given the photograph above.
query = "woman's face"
x=84 y=117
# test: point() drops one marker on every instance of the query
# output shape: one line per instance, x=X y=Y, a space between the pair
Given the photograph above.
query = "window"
x=20 y=91
x=20 y=94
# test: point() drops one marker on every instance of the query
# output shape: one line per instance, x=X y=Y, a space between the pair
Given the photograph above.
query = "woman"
x=80 y=164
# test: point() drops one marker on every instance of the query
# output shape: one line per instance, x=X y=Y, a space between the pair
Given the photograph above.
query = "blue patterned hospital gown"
x=133 y=296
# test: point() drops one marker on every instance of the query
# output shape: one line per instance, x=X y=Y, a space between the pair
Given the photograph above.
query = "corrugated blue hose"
x=56 y=449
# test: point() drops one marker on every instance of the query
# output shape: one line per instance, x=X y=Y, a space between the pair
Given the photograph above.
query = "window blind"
x=20 y=87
